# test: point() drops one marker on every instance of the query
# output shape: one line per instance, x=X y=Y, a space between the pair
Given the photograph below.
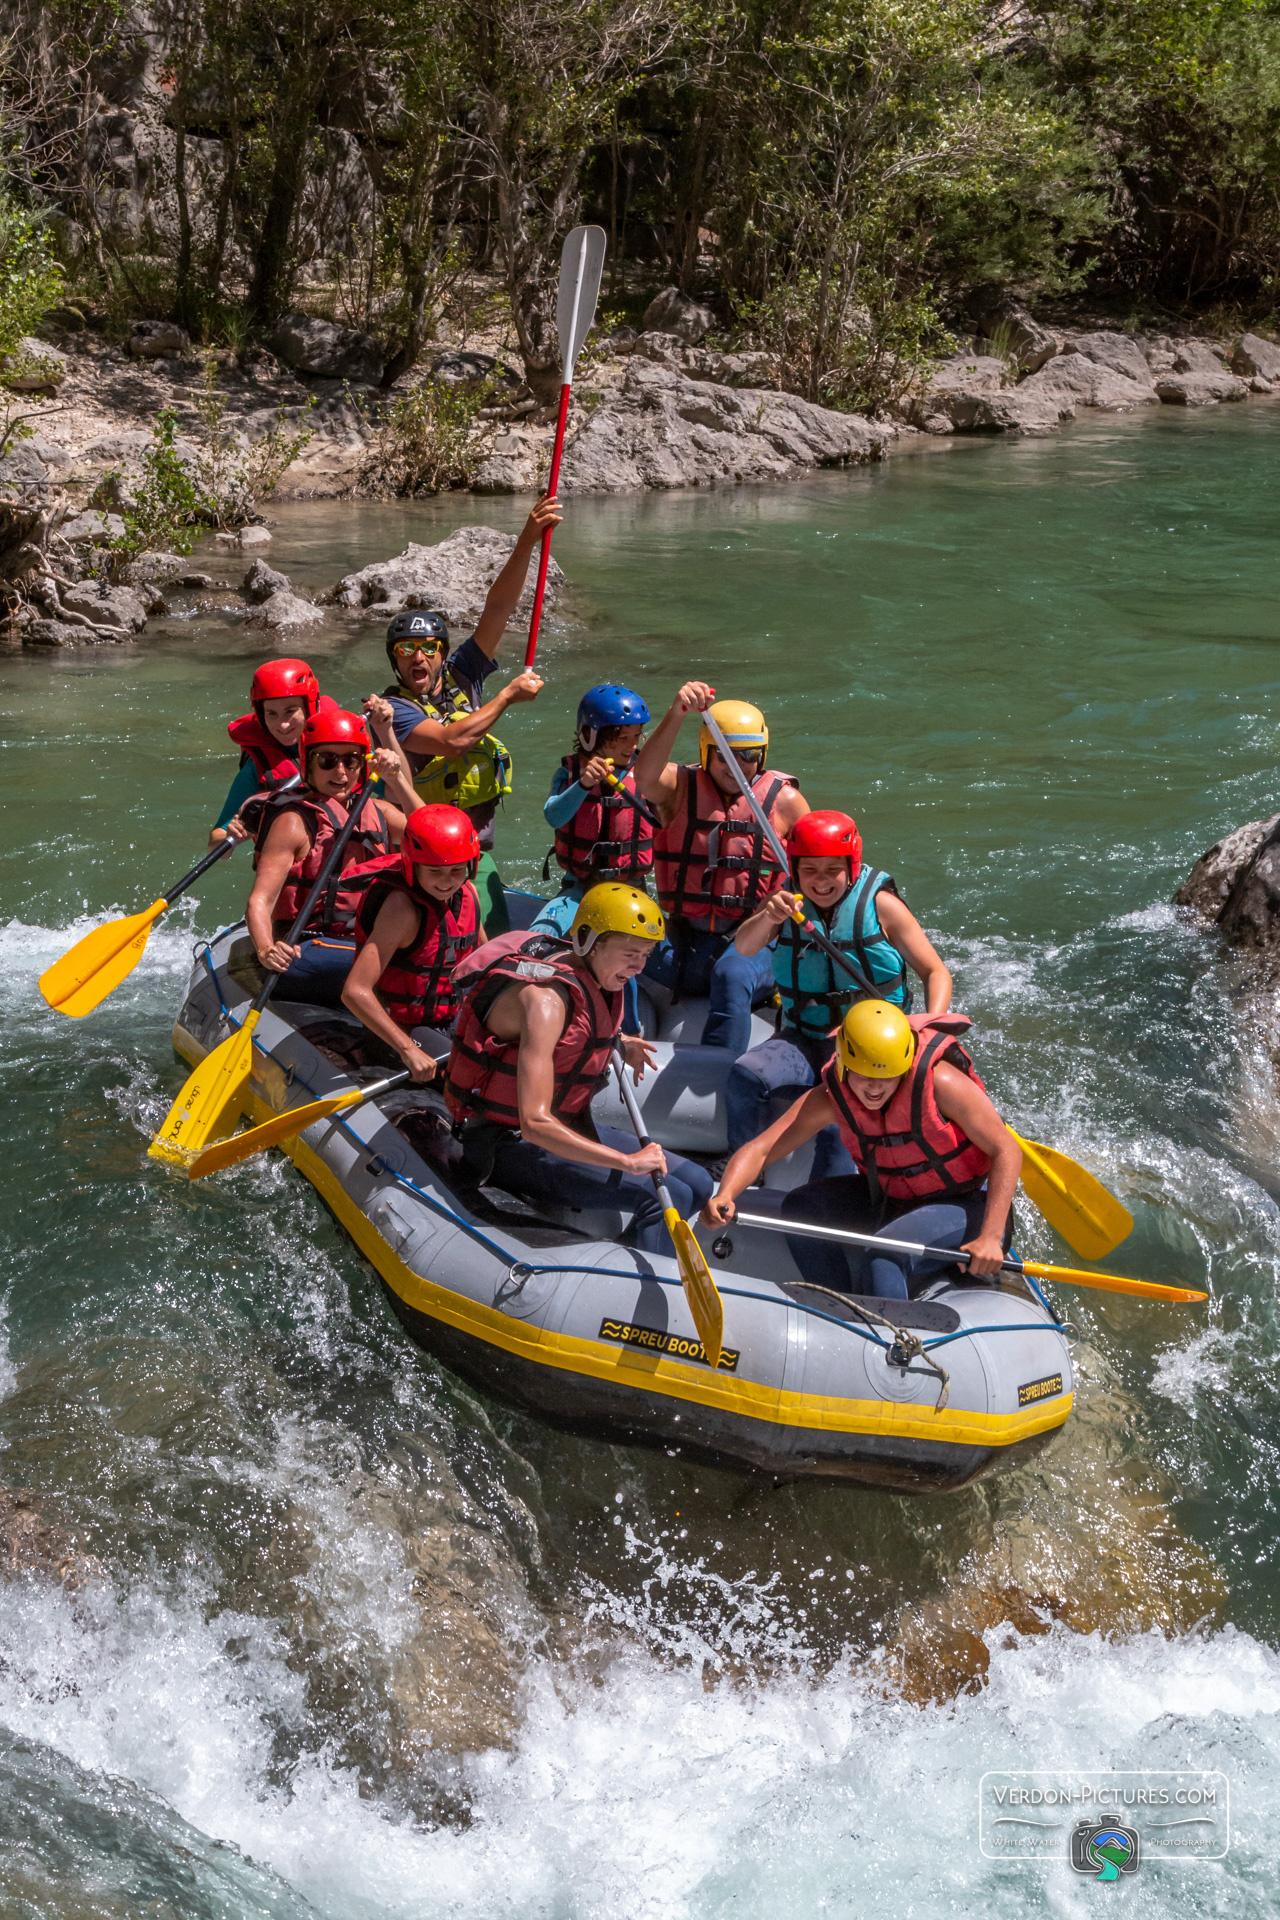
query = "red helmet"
x=439 y=836
x=332 y=727
x=285 y=680
x=828 y=835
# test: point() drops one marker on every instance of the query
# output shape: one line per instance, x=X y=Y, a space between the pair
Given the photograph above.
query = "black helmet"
x=417 y=623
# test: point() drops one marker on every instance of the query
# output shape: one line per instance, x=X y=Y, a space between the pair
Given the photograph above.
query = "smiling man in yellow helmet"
x=936 y=1162
x=532 y=1045
x=712 y=865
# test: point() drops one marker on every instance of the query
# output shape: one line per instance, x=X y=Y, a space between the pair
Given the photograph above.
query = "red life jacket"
x=713 y=862
x=908 y=1151
x=275 y=764
x=416 y=987
x=607 y=838
x=334 y=912
x=480 y=1079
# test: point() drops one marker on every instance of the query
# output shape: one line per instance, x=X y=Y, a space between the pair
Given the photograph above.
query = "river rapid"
x=348 y=1639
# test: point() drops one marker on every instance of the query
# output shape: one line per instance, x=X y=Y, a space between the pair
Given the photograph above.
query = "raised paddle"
x=1105 y=1282
x=212 y=1099
x=700 y=1289
x=243 y=1146
x=581 y=265
x=636 y=800
x=96 y=965
x=1090 y=1220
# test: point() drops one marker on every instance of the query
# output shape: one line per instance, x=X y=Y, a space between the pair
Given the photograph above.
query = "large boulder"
x=452 y=578
x=1027 y=344
x=158 y=340
x=261 y=581
x=23 y=474
x=1255 y=358
x=1195 y=389
x=463 y=367
x=1119 y=351
x=321 y=347
x=1078 y=380
x=660 y=429
x=1236 y=886
x=1196 y=356
x=92 y=529
x=674 y=312
x=285 y=612
x=118 y=608
x=973 y=393
x=34 y=367
x=700 y=363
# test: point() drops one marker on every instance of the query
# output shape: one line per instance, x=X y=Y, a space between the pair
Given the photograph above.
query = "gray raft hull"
x=546 y=1312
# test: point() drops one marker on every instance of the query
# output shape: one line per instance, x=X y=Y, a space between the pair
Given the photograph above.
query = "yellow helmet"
x=742 y=726
x=612 y=907
x=875 y=1039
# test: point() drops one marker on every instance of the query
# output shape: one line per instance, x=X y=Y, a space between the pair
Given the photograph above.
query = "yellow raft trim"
x=673 y=1379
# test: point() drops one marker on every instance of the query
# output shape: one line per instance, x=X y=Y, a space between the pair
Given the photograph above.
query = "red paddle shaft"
x=545 y=556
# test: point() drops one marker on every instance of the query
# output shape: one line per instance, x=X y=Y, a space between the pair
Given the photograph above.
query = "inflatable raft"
x=544 y=1309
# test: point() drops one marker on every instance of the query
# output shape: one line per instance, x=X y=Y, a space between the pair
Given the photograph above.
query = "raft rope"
x=907 y=1343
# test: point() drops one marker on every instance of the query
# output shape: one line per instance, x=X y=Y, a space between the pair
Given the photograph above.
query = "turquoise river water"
x=352 y=1641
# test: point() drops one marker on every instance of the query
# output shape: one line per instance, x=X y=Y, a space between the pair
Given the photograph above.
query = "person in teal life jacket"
x=859 y=909
x=283 y=695
x=441 y=717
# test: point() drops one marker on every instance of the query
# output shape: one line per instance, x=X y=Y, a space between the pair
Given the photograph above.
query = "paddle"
x=1090 y=1220
x=211 y=1101
x=705 y=1303
x=243 y=1146
x=636 y=800
x=96 y=965
x=581 y=265
x=1105 y=1282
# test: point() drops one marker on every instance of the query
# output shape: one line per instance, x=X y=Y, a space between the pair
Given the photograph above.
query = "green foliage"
x=169 y=509
x=236 y=475
x=431 y=439
x=30 y=278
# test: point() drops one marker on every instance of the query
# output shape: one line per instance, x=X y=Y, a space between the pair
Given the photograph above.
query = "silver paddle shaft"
x=633 y=1114
x=809 y=1231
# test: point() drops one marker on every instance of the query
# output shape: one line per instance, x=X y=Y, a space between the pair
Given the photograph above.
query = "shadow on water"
x=381 y=1636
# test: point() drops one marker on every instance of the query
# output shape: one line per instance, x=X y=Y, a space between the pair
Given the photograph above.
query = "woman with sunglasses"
x=712 y=864
x=298 y=828
x=442 y=719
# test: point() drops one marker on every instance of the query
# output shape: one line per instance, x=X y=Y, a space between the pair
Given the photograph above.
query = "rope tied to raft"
x=904 y=1347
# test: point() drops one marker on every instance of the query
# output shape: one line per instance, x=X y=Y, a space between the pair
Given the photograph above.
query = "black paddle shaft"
x=202 y=866
x=336 y=852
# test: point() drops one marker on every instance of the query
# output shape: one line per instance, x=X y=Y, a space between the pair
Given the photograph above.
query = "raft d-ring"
x=1069 y=1331
x=519 y=1273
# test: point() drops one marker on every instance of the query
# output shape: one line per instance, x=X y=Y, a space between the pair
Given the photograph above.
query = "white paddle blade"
x=581 y=265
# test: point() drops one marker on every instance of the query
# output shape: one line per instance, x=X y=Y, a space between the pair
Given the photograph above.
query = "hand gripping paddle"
x=705 y=1303
x=581 y=265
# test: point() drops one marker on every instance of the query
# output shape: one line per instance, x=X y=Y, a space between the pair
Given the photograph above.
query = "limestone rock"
x=22 y=473
x=285 y=612
x=674 y=312
x=661 y=429
x=119 y=607
x=261 y=581
x=113 y=494
x=1196 y=356
x=92 y=529
x=321 y=347
x=157 y=340
x=242 y=539
x=50 y=452
x=1029 y=344
x=1081 y=381
x=1255 y=357
x=1119 y=351
x=61 y=633
x=452 y=578
x=1199 y=389
x=34 y=367
x=460 y=367
x=700 y=363
x=1227 y=867
x=971 y=394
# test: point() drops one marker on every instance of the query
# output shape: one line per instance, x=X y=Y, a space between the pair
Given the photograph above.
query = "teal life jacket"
x=815 y=992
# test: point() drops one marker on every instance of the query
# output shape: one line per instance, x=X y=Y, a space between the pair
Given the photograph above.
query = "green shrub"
x=30 y=278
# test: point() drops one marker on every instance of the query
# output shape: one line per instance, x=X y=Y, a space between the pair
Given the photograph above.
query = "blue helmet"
x=609 y=706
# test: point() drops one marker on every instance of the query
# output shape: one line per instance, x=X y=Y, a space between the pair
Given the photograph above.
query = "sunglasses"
x=405 y=649
x=328 y=761
x=746 y=755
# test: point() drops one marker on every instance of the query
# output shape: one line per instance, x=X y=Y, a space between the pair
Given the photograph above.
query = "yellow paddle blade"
x=705 y=1303
x=96 y=965
x=211 y=1102
x=1090 y=1219
x=1111 y=1282
x=243 y=1146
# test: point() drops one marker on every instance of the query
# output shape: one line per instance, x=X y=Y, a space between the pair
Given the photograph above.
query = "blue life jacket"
x=815 y=992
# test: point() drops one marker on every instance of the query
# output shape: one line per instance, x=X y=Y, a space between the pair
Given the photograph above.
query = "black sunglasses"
x=328 y=761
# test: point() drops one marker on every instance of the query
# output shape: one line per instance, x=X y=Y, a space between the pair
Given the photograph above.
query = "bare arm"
x=537 y=1015
x=430 y=737
x=395 y=927
x=960 y=1100
x=504 y=595
x=811 y=1112
x=909 y=937
x=657 y=775
x=754 y=935
x=396 y=779
x=791 y=806
x=286 y=843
